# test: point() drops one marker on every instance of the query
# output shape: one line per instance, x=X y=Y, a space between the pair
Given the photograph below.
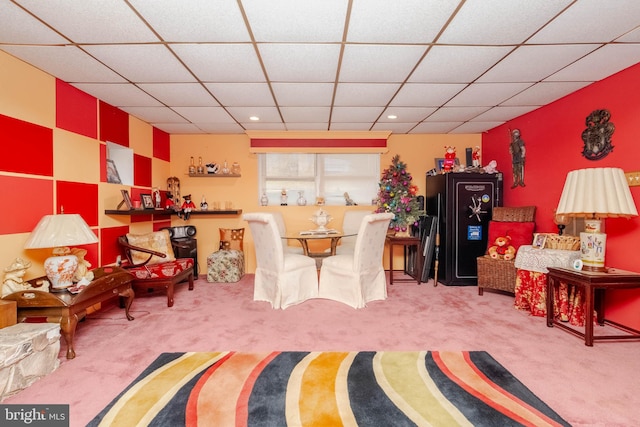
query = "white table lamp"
x=595 y=194
x=58 y=232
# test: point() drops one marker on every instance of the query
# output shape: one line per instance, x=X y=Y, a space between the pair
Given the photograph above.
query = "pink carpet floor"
x=587 y=386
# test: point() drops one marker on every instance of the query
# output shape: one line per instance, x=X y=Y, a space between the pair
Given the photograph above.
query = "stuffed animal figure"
x=449 y=158
x=82 y=272
x=502 y=249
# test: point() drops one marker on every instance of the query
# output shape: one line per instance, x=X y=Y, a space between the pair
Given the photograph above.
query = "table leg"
x=588 y=318
x=305 y=246
x=68 y=325
x=128 y=294
x=550 y=297
x=390 y=263
x=334 y=244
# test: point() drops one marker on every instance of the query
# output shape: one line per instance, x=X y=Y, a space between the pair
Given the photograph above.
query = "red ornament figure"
x=187 y=207
x=449 y=158
x=475 y=157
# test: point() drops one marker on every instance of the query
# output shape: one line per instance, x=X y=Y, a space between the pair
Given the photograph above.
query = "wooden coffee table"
x=66 y=308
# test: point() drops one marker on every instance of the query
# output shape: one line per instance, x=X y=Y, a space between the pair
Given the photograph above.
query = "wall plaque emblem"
x=597 y=135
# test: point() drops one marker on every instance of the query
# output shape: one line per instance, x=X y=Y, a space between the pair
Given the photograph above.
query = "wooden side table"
x=405 y=242
x=66 y=308
x=595 y=284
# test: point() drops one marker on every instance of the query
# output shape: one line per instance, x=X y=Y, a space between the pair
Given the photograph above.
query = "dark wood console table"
x=66 y=308
x=594 y=284
x=405 y=242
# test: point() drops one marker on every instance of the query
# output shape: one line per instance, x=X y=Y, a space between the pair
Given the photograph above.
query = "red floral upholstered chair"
x=151 y=260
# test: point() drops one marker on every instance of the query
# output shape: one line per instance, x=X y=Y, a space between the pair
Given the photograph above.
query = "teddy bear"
x=449 y=158
x=502 y=249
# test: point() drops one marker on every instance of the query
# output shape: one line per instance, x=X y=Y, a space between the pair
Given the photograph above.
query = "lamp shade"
x=60 y=231
x=55 y=231
x=597 y=193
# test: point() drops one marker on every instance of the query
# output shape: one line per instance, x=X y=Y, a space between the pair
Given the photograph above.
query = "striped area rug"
x=430 y=388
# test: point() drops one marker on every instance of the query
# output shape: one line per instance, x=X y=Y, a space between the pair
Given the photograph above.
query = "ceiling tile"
x=204 y=114
x=155 y=114
x=488 y=94
x=92 y=21
x=180 y=94
x=242 y=94
x=263 y=126
x=142 y=63
x=591 y=21
x=209 y=20
x=19 y=27
x=179 y=128
x=221 y=62
x=220 y=127
x=292 y=20
x=393 y=127
x=425 y=95
x=476 y=127
x=351 y=126
x=503 y=114
x=378 y=21
x=356 y=114
x=305 y=114
x=322 y=126
x=68 y=63
x=303 y=94
x=450 y=114
x=544 y=93
x=457 y=64
x=362 y=94
x=379 y=63
x=119 y=94
x=535 y=63
x=435 y=127
x=498 y=22
x=406 y=114
x=266 y=114
x=300 y=63
x=600 y=64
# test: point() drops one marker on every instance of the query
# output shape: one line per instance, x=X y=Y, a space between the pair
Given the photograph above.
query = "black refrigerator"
x=463 y=202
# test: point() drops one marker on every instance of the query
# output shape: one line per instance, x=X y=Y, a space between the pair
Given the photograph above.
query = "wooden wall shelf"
x=215 y=175
x=169 y=212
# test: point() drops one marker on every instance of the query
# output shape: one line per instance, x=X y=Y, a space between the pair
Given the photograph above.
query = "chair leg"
x=191 y=282
x=170 y=295
x=480 y=290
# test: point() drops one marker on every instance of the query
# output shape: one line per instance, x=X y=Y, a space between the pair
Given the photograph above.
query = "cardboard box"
x=8 y=313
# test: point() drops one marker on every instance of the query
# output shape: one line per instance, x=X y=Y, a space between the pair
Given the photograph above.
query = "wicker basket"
x=498 y=274
x=554 y=241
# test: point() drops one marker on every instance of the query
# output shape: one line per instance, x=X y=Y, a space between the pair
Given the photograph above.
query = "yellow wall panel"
x=75 y=157
x=140 y=137
x=26 y=93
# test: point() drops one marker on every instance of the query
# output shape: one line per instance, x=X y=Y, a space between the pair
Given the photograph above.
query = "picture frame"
x=539 y=240
x=126 y=199
x=113 y=177
x=440 y=163
x=147 y=201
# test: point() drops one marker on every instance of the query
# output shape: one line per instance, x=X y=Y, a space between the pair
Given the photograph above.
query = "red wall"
x=552 y=135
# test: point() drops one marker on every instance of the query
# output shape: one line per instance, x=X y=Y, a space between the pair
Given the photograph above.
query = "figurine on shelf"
x=475 y=157
x=348 y=200
x=186 y=208
x=204 y=206
x=449 y=158
x=169 y=203
x=283 y=197
x=157 y=199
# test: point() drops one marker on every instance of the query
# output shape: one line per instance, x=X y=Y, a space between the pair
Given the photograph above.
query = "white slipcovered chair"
x=282 y=230
x=282 y=279
x=350 y=225
x=359 y=277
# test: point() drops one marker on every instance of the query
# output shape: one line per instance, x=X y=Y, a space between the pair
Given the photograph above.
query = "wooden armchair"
x=517 y=222
x=151 y=260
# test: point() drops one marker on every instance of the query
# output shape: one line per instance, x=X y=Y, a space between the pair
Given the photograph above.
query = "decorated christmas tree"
x=397 y=194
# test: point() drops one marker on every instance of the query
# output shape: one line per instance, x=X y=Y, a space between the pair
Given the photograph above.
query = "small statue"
x=449 y=158
x=283 y=197
x=13 y=279
x=82 y=271
x=187 y=207
x=475 y=157
x=169 y=203
x=204 y=206
x=348 y=200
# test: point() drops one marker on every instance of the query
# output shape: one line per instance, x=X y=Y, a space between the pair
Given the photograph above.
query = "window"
x=319 y=175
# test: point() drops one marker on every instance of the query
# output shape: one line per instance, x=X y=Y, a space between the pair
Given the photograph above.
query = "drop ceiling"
x=438 y=66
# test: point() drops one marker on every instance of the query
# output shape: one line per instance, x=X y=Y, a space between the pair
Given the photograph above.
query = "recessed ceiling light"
x=392 y=116
x=254 y=118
